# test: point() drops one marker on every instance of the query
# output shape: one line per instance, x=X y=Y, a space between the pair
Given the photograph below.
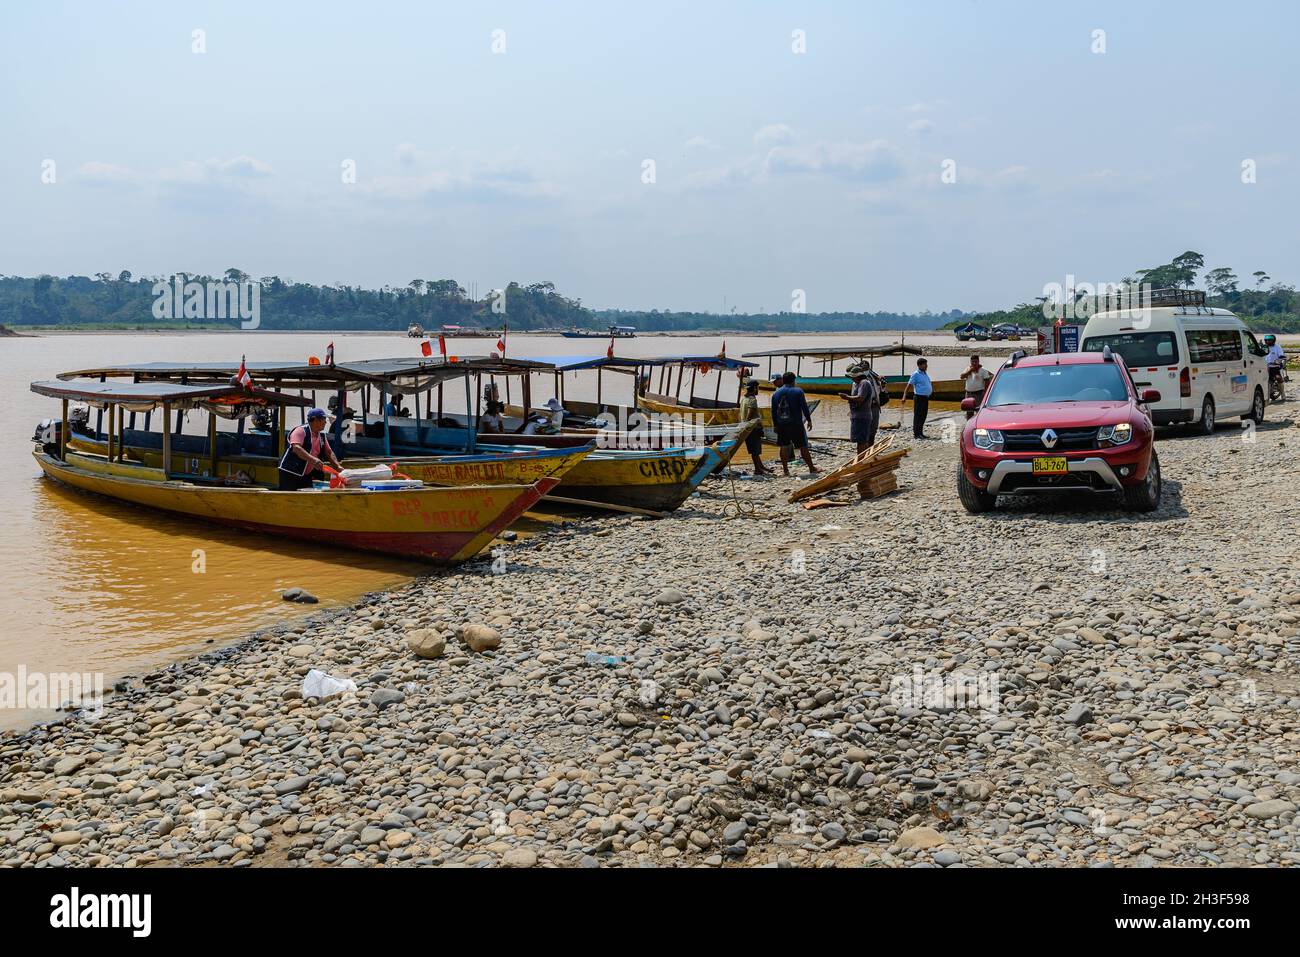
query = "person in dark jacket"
x=308 y=447
x=792 y=418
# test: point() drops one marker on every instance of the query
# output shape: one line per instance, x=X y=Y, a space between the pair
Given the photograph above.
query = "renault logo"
x=1049 y=438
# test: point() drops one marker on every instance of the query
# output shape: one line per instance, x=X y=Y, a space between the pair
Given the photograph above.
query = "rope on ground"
x=738 y=507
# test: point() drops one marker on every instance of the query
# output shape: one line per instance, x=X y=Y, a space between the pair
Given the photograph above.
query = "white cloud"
x=216 y=171
x=875 y=160
x=701 y=143
x=406 y=153
x=774 y=134
x=98 y=172
x=921 y=127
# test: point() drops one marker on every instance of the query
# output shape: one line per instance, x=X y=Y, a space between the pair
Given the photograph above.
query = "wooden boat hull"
x=816 y=385
x=715 y=416
x=441 y=525
x=659 y=480
x=720 y=415
x=513 y=467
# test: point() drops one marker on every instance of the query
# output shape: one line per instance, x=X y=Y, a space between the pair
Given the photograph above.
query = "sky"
x=705 y=155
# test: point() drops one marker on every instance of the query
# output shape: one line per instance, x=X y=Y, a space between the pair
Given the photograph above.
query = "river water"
x=106 y=588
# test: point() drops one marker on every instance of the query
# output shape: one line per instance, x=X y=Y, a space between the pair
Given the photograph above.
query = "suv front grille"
x=1030 y=440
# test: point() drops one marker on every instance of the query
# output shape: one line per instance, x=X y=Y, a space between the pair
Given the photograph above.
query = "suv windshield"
x=1138 y=348
x=1099 y=382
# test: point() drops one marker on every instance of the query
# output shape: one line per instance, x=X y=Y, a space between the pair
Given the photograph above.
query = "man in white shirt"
x=977 y=380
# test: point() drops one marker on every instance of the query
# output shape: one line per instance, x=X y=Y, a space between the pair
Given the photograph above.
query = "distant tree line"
x=1264 y=304
x=128 y=301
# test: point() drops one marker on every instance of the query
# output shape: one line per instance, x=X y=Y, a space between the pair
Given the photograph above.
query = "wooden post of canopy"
x=99 y=414
x=471 y=436
x=167 y=441
x=528 y=397
x=439 y=421
x=281 y=436
x=598 y=371
x=717 y=390
x=694 y=370
x=63 y=433
x=383 y=400
x=212 y=443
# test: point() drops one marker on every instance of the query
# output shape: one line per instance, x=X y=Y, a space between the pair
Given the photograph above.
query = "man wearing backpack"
x=792 y=418
x=864 y=406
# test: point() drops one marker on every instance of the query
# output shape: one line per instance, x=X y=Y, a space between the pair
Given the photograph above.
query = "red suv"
x=1067 y=422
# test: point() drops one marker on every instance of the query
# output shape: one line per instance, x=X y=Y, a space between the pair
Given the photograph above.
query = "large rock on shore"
x=480 y=638
x=426 y=642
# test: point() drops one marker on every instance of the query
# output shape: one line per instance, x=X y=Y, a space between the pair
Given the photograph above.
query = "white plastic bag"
x=371 y=473
x=317 y=684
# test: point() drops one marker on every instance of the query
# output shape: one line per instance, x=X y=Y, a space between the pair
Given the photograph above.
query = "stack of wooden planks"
x=873 y=471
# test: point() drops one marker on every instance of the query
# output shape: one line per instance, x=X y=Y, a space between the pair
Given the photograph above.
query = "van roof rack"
x=1143 y=296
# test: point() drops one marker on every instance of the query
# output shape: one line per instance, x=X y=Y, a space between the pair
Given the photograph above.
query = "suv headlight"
x=1115 y=434
x=987 y=439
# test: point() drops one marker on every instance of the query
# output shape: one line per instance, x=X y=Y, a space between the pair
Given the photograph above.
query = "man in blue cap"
x=308 y=446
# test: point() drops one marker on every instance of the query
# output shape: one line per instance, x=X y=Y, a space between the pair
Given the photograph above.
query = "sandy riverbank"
x=1145 y=674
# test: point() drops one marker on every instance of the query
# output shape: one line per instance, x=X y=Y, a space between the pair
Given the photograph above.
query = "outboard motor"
x=79 y=420
x=47 y=435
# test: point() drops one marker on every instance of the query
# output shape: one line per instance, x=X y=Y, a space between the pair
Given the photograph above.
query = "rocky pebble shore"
x=787 y=687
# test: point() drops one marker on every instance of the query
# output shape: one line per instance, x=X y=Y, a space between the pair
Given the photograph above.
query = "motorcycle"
x=1277 y=379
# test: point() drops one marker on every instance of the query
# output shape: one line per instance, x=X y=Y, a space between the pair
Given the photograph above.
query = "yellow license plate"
x=1050 y=465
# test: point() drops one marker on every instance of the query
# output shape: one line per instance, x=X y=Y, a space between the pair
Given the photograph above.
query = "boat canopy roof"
x=424 y=370
x=147 y=394
x=714 y=361
x=840 y=352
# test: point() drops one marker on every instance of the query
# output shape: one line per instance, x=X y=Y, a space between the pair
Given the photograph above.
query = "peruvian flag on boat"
x=501 y=342
x=442 y=345
x=242 y=378
x=426 y=348
x=609 y=353
x=329 y=354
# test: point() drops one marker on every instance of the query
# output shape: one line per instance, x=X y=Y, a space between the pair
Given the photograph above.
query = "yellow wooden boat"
x=423 y=445
x=520 y=467
x=437 y=524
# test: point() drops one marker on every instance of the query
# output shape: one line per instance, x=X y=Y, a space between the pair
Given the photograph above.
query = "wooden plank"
x=565 y=500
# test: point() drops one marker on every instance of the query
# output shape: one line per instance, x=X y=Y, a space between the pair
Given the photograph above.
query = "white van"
x=1204 y=362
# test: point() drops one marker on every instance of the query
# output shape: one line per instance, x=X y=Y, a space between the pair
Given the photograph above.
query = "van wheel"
x=1207 y=416
x=1145 y=496
x=971 y=497
x=1256 y=413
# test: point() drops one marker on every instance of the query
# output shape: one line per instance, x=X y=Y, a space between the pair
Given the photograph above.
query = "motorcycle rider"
x=1276 y=354
x=1276 y=359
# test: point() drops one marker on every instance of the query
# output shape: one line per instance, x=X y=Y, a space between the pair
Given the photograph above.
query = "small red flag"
x=501 y=343
x=442 y=345
x=329 y=354
x=609 y=353
x=242 y=378
x=426 y=348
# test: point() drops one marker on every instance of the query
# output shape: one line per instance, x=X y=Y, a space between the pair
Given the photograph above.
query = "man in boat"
x=864 y=407
x=308 y=445
x=754 y=441
x=792 y=418
x=977 y=379
x=921 y=386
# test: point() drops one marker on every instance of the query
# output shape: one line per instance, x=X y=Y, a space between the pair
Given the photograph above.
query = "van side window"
x=1214 y=345
x=1229 y=345
x=1253 y=345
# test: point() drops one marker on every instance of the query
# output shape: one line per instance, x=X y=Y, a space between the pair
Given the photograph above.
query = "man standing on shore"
x=749 y=412
x=792 y=418
x=919 y=383
x=977 y=379
x=864 y=407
